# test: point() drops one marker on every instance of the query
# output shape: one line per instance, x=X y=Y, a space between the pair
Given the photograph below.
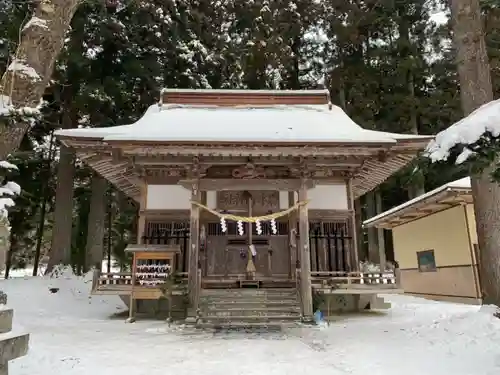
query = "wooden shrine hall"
x=245 y=194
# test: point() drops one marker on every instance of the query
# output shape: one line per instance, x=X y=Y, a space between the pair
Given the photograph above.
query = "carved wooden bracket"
x=249 y=171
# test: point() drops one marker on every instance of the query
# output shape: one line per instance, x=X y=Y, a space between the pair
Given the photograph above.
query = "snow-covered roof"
x=461 y=184
x=270 y=123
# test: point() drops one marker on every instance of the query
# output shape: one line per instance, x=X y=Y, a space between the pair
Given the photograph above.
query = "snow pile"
x=74 y=334
x=483 y=123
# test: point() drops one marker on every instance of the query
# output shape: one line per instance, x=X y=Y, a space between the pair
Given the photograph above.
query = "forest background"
x=389 y=64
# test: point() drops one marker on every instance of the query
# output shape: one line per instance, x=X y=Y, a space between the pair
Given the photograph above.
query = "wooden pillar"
x=292 y=240
x=380 y=233
x=194 y=234
x=305 y=254
x=141 y=232
x=354 y=266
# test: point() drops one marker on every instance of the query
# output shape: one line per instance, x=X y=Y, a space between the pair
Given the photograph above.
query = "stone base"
x=13 y=346
x=333 y=304
x=6 y=316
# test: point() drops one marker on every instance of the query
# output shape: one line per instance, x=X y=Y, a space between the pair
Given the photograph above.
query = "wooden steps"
x=248 y=307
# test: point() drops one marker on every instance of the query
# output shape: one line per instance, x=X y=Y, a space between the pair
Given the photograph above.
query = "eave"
x=442 y=199
x=377 y=161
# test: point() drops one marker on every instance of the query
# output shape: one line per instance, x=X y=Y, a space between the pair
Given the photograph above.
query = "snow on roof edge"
x=239 y=91
x=463 y=183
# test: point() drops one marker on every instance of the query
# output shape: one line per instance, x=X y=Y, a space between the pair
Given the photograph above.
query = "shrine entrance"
x=227 y=253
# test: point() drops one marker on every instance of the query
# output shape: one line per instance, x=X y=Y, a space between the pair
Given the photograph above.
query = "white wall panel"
x=212 y=199
x=283 y=200
x=327 y=197
x=168 y=197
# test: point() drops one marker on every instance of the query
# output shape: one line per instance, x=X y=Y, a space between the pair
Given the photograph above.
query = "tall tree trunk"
x=43 y=209
x=95 y=233
x=417 y=186
x=476 y=89
x=14 y=248
x=24 y=81
x=60 y=252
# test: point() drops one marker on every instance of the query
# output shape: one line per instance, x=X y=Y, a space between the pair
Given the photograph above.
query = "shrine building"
x=245 y=196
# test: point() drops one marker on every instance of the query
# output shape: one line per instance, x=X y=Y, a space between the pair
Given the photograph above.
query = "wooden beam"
x=175 y=160
x=239 y=150
x=256 y=184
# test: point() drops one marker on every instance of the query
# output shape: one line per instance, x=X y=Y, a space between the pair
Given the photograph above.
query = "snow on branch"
x=476 y=134
x=8 y=190
x=21 y=68
x=6 y=165
x=36 y=22
x=7 y=110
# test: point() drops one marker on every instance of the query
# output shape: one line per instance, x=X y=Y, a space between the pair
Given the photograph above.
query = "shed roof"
x=446 y=196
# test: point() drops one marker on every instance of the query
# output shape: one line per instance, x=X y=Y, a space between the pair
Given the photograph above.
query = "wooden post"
x=132 y=306
x=194 y=234
x=352 y=225
x=292 y=245
x=141 y=231
x=380 y=235
x=305 y=254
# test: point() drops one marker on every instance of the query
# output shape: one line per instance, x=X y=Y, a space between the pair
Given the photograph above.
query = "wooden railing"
x=385 y=280
x=102 y=279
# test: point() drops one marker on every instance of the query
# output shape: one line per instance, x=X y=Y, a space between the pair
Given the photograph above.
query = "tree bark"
x=417 y=187
x=24 y=81
x=476 y=89
x=44 y=192
x=95 y=233
x=60 y=252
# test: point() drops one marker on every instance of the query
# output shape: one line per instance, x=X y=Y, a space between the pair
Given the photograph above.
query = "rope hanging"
x=252 y=219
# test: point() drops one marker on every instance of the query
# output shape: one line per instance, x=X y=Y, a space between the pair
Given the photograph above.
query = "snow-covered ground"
x=72 y=333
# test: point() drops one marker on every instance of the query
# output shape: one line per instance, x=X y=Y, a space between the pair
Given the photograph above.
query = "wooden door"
x=279 y=258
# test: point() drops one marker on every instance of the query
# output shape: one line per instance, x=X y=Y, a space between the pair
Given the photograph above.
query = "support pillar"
x=194 y=246
x=354 y=257
x=380 y=233
x=141 y=232
x=292 y=241
x=305 y=254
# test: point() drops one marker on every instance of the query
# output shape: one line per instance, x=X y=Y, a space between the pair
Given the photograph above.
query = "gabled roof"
x=298 y=117
x=446 y=196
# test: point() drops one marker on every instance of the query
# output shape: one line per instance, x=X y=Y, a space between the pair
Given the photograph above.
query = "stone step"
x=13 y=345
x=6 y=316
x=247 y=327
